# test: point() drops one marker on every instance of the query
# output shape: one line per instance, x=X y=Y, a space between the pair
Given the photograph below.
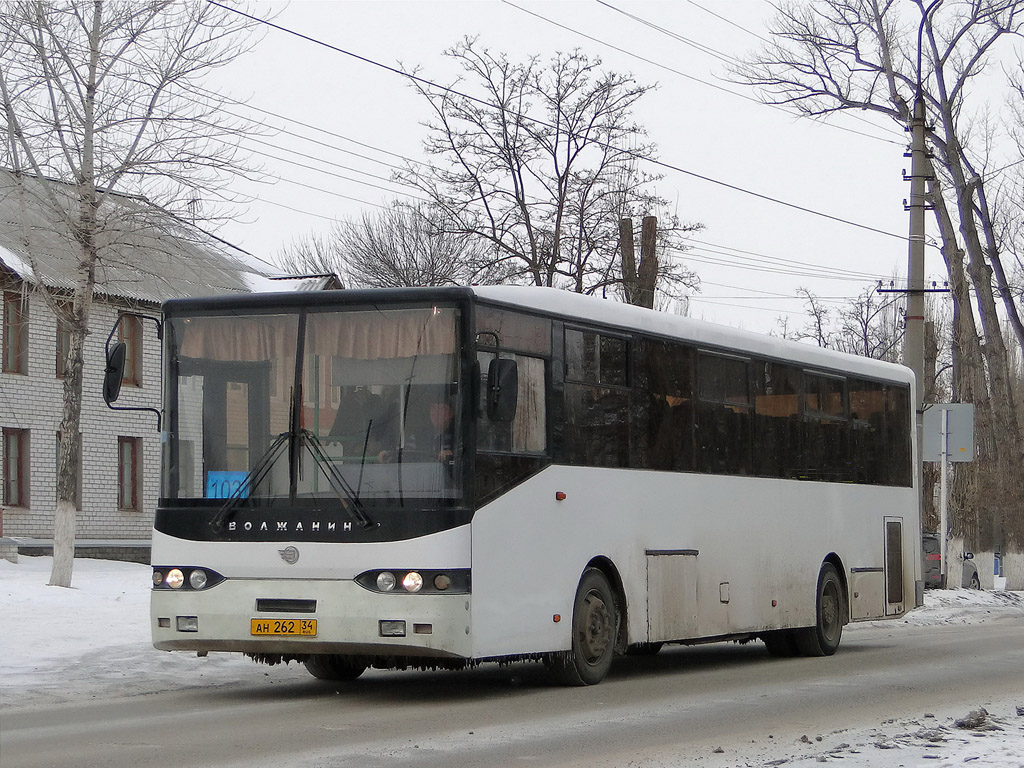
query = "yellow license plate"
x=283 y=627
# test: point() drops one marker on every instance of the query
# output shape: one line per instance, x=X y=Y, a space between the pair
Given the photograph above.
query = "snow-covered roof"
x=146 y=255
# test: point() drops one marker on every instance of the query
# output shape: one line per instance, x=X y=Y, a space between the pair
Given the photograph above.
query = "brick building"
x=152 y=256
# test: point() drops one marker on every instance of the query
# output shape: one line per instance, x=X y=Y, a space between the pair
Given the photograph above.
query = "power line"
x=754 y=256
x=727 y=59
x=630 y=53
x=720 y=55
x=631 y=153
x=326 y=172
x=333 y=134
x=728 y=21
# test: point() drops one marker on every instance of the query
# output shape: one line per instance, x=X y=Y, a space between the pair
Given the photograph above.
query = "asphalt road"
x=683 y=702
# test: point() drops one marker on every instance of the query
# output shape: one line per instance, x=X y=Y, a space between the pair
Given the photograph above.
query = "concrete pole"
x=913 y=340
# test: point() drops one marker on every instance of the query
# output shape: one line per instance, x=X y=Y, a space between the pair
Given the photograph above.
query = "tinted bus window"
x=897 y=434
x=777 y=420
x=596 y=399
x=826 y=437
x=664 y=412
x=867 y=431
x=724 y=415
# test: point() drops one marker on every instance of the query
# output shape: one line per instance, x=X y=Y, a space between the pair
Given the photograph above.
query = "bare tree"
x=541 y=166
x=402 y=245
x=96 y=95
x=871 y=325
x=878 y=56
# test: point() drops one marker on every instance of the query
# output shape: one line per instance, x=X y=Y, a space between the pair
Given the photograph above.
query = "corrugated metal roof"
x=147 y=254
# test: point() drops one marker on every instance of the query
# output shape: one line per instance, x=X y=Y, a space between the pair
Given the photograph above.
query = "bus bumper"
x=349 y=620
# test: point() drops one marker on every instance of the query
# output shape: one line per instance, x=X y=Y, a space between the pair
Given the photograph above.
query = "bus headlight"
x=185 y=578
x=197 y=579
x=175 y=578
x=416 y=581
x=442 y=581
x=412 y=582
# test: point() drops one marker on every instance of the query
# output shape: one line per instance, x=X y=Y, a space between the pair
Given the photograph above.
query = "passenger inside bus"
x=429 y=434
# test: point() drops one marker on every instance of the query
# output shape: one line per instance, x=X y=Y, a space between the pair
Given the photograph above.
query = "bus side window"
x=724 y=418
x=897 y=435
x=663 y=423
x=527 y=432
x=776 y=420
x=509 y=452
x=596 y=399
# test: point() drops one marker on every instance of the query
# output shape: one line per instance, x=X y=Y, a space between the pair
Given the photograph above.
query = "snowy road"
x=888 y=698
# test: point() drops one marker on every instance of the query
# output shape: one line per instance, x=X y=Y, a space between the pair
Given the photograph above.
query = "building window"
x=15 y=333
x=15 y=466
x=129 y=473
x=130 y=332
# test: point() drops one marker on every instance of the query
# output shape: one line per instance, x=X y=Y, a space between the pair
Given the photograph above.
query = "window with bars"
x=15 y=346
x=129 y=472
x=15 y=467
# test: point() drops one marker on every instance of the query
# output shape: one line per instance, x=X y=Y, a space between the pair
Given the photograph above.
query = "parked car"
x=932 y=559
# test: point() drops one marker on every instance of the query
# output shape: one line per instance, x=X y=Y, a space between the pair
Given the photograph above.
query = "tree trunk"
x=647 y=273
x=969 y=386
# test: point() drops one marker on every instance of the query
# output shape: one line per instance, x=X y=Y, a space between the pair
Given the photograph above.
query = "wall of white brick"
x=35 y=402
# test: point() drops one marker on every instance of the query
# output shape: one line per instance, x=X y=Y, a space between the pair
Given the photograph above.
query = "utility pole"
x=913 y=338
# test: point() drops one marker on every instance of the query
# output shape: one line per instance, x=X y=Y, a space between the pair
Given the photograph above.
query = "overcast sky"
x=360 y=119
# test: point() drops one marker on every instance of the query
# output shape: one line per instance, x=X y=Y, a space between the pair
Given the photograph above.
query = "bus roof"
x=571 y=307
x=574 y=306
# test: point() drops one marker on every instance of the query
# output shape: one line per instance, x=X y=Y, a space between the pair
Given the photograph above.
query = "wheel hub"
x=596 y=628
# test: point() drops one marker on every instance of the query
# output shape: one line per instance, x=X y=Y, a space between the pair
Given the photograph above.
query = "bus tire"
x=595 y=625
x=331 y=666
x=830 y=606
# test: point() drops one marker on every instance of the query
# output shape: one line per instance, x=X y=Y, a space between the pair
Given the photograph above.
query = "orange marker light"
x=556 y=618
x=559 y=495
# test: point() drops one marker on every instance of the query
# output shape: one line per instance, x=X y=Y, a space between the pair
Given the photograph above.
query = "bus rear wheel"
x=595 y=625
x=823 y=638
x=334 y=667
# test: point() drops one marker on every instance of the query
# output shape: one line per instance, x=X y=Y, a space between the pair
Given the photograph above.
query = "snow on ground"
x=92 y=641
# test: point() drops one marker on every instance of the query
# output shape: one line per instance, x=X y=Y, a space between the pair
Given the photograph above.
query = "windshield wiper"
x=346 y=495
x=253 y=478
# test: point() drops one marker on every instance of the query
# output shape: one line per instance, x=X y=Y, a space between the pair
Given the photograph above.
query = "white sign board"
x=959 y=437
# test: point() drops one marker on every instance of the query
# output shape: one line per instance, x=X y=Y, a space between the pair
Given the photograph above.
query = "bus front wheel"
x=595 y=625
x=823 y=638
x=334 y=667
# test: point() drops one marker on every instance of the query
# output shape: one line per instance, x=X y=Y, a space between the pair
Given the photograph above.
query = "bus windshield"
x=314 y=405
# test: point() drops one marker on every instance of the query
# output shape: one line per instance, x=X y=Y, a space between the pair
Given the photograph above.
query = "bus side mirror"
x=502 y=389
x=114 y=372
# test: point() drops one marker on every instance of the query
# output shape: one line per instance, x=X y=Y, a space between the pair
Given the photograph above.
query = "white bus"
x=440 y=477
